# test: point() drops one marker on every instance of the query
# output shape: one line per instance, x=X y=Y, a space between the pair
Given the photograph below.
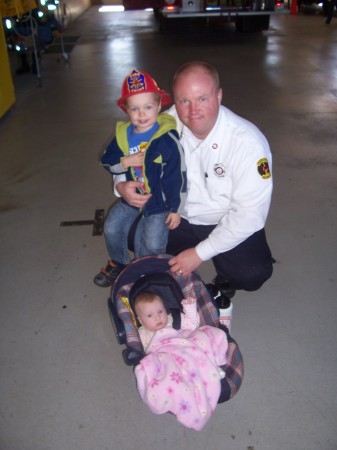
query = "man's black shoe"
x=225 y=288
x=221 y=300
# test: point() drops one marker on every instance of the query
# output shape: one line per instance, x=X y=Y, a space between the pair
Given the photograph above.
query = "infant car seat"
x=152 y=273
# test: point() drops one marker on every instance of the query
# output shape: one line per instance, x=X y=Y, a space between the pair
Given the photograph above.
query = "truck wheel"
x=156 y=13
x=269 y=5
x=176 y=26
x=252 y=24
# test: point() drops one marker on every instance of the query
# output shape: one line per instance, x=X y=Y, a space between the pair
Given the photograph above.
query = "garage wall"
x=77 y=7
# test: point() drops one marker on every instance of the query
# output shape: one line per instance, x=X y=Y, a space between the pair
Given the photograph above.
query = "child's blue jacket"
x=163 y=165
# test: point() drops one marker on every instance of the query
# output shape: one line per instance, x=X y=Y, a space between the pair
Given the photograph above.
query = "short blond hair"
x=192 y=65
x=156 y=96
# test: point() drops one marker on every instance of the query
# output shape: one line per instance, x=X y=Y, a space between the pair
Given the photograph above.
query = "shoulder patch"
x=263 y=168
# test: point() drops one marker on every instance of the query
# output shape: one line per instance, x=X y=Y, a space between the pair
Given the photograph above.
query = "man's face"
x=197 y=101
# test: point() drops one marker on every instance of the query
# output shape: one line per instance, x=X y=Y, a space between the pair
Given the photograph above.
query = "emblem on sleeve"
x=263 y=168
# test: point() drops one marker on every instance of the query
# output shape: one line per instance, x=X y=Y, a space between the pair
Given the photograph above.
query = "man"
x=229 y=187
x=328 y=8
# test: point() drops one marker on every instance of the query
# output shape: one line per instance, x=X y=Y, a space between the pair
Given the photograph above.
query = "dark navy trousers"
x=246 y=266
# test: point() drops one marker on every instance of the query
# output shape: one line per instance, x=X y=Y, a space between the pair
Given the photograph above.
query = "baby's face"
x=152 y=315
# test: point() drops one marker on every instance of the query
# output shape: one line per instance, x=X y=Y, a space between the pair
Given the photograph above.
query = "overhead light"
x=20 y=47
x=111 y=8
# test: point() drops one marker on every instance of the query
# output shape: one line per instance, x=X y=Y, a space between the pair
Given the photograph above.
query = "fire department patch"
x=136 y=82
x=263 y=168
x=219 y=170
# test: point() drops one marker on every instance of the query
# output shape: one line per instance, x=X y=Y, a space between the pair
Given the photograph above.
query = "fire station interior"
x=64 y=384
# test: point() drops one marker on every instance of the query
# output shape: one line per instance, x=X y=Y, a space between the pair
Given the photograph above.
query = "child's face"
x=143 y=110
x=152 y=315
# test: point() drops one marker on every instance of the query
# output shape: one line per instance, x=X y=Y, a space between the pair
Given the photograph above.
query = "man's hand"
x=128 y=191
x=185 y=263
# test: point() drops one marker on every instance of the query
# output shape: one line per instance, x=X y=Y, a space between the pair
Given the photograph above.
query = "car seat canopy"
x=164 y=285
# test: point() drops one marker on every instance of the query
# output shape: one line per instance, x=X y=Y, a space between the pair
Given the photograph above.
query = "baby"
x=182 y=369
x=152 y=315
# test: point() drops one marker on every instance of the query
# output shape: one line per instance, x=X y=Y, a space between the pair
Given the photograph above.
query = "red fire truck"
x=248 y=15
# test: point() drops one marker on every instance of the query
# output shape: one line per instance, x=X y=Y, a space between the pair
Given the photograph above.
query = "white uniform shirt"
x=228 y=181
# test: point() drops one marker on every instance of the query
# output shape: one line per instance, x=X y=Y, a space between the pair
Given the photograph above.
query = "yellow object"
x=7 y=94
x=127 y=304
x=9 y=8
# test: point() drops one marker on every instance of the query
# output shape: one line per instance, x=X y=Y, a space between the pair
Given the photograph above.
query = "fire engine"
x=247 y=15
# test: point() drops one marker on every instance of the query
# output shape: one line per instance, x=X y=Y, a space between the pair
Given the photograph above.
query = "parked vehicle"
x=248 y=15
x=311 y=6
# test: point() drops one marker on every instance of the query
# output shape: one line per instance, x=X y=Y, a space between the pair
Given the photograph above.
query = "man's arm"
x=185 y=263
x=128 y=191
x=250 y=202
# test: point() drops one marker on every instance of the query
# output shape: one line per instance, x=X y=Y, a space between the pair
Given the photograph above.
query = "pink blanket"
x=180 y=373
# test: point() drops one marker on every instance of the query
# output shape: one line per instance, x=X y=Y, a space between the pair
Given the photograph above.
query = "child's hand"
x=132 y=160
x=189 y=301
x=173 y=220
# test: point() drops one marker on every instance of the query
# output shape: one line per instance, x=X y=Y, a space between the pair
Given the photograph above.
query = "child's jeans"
x=151 y=234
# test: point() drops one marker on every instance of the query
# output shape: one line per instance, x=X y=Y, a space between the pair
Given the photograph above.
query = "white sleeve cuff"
x=117 y=179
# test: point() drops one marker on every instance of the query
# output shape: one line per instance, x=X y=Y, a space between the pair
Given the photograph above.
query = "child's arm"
x=111 y=158
x=174 y=172
x=132 y=160
x=190 y=320
x=145 y=337
x=173 y=220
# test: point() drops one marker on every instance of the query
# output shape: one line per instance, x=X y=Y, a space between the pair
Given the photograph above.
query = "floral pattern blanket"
x=180 y=373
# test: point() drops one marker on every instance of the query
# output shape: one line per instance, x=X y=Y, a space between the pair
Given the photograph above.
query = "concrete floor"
x=63 y=383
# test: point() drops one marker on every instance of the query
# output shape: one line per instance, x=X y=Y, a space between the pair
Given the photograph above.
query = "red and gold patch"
x=263 y=168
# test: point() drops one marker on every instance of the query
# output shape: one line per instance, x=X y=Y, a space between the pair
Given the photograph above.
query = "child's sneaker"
x=107 y=276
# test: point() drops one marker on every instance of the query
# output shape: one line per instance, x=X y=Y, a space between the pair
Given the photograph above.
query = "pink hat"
x=138 y=83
